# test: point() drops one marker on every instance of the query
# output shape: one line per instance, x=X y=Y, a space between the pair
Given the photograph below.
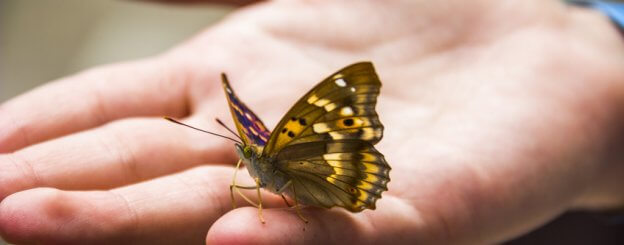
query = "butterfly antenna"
x=226 y=127
x=208 y=132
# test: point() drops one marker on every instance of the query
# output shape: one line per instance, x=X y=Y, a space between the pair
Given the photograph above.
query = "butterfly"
x=322 y=152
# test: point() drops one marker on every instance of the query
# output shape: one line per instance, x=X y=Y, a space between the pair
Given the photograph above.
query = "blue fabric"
x=614 y=10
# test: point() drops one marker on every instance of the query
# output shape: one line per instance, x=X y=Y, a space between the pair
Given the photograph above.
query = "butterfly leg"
x=281 y=191
x=257 y=188
x=297 y=208
x=284 y=198
x=259 y=200
x=236 y=187
x=234 y=183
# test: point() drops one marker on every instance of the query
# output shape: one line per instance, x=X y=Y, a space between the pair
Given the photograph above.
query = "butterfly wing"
x=349 y=173
x=250 y=127
x=340 y=107
x=325 y=142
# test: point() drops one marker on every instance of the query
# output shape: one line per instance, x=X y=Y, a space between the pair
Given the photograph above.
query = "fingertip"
x=48 y=215
x=21 y=215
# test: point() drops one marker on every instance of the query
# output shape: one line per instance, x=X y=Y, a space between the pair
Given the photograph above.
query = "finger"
x=120 y=153
x=152 y=87
x=176 y=209
x=391 y=222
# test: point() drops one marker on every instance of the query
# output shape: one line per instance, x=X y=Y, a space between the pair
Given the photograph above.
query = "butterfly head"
x=245 y=152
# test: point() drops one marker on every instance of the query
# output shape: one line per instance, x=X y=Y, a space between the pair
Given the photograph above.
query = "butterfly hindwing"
x=347 y=173
x=250 y=128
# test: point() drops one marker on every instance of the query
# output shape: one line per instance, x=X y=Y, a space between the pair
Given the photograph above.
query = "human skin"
x=499 y=116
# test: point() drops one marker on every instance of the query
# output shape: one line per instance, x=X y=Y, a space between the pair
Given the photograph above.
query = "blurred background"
x=47 y=39
x=44 y=40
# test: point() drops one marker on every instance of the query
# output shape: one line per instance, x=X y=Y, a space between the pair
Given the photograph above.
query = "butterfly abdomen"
x=269 y=177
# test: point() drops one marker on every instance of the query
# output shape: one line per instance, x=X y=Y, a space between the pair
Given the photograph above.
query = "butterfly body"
x=263 y=169
x=322 y=152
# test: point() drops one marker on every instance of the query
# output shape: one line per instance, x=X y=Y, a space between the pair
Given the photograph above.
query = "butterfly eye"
x=247 y=152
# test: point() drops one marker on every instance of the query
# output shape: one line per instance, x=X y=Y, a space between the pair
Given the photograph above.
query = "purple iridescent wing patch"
x=249 y=126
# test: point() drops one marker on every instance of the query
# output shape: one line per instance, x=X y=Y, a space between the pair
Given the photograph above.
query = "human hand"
x=498 y=117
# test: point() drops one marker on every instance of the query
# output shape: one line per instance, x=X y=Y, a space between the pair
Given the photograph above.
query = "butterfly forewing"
x=341 y=107
x=250 y=128
x=325 y=142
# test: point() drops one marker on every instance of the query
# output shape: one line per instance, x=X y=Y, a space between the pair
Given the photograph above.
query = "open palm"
x=498 y=116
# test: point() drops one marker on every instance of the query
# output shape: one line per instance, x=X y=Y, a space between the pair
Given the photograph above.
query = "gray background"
x=41 y=40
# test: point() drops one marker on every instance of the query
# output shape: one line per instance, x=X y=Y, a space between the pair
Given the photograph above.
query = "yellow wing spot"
x=369 y=157
x=294 y=126
x=332 y=178
x=371 y=178
x=358 y=205
x=363 y=196
x=320 y=127
x=291 y=129
x=330 y=107
x=370 y=168
x=364 y=98
x=337 y=76
x=321 y=102
x=364 y=186
x=363 y=156
x=312 y=99
x=337 y=135
x=333 y=163
x=336 y=157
